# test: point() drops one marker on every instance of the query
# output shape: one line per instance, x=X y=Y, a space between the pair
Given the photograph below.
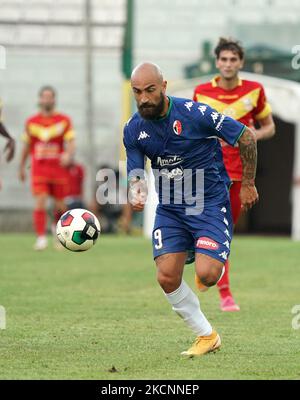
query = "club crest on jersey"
x=177 y=127
x=207 y=243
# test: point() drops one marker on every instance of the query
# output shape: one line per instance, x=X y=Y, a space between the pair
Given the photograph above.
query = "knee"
x=169 y=283
x=209 y=278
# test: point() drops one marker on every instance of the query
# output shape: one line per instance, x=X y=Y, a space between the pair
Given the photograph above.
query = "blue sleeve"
x=220 y=125
x=135 y=158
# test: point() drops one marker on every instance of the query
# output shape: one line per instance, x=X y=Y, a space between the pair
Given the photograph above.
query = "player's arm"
x=266 y=129
x=233 y=132
x=24 y=156
x=10 y=145
x=248 y=153
x=263 y=115
x=137 y=187
x=137 y=193
x=68 y=153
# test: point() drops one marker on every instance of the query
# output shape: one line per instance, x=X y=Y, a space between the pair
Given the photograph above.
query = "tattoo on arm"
x=248 y=152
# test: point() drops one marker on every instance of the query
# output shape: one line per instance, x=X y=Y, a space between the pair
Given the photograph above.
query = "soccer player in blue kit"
x=180 y=137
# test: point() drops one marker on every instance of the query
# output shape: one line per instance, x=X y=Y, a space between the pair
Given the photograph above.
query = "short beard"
x=47 y=107
x=151 y=112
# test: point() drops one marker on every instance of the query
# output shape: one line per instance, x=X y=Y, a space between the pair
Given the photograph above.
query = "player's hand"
x=65 y=159
x=137 y=195
x=248 y=196
x=10 y=149
x=22 y=174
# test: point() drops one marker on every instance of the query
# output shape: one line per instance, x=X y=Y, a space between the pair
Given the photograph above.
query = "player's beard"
x=48 y=108
x=153 y=111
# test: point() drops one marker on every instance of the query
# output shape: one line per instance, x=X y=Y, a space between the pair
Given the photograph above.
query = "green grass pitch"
x=75 y=316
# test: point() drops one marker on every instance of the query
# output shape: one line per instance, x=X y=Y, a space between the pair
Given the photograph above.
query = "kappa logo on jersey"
x=227 y=232
x=177 y=127
x=207 y=243
x=227 y=244
x=202 y=109
x=219 y=126
x=226 y=221
x=224 y=255
x=189 y=105
x=215 y=116
x=224 y=210
x=248 y=104
x=143 y=135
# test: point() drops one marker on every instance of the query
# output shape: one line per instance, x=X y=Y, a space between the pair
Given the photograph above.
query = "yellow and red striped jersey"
x=246 y=103
x=46 y=135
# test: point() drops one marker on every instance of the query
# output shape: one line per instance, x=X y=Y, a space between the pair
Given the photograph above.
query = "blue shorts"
x=209 y=233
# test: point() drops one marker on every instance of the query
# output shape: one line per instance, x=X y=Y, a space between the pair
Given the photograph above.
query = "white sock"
x=186 y=304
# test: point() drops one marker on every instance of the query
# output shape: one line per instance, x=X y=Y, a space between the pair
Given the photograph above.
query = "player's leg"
x=40 y=219
x=227 y=301
x=58 y=194
x=185 y=302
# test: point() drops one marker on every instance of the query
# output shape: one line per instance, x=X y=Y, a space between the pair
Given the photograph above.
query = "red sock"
x=223 y=283
x=39 y=222
x=57 y=215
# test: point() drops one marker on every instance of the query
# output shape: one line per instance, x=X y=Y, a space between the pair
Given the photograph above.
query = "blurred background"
x=86 y=49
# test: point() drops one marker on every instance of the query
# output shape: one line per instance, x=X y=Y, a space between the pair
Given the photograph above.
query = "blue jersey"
x=183 y=142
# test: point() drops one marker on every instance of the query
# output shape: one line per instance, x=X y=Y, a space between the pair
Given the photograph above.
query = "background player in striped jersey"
x=246 y=102
x=49 y=140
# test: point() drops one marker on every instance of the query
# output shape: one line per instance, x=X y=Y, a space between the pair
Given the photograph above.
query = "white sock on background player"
x=186 y=304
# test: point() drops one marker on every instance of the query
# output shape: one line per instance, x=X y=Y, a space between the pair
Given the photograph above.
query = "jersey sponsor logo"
x=227 y=96
x=177 y=127
x=202 y=109
x=207 y=243
x=143 y=135
x=189 y=105
x=176 y=173
x=169 y=161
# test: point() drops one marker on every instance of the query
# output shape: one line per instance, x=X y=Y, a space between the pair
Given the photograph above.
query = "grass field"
x=74 y=316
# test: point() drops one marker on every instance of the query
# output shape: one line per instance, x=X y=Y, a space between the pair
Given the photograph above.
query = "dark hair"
x=47 y=88
x=229 y=44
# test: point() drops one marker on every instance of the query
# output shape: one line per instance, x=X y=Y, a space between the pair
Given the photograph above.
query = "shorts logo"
x=177 y=127
x=207 y=243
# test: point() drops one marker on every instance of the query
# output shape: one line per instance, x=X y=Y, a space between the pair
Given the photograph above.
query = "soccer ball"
x=78 y=229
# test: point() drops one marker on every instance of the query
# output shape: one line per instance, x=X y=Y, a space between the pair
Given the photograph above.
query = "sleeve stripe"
x=69 y=135
x=264 y=113
x=239 y=136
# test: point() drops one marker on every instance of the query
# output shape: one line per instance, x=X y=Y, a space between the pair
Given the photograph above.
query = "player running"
x=10 y=145
x=49 y=140
x=180 y=137
x=246 y=102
